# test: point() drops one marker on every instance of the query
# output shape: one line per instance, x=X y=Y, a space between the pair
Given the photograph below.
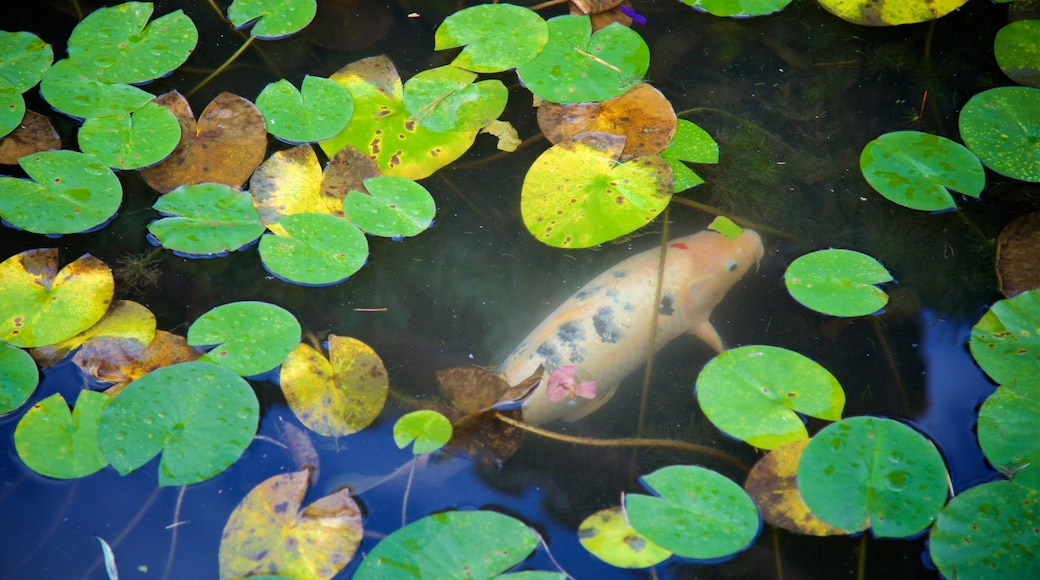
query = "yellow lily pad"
x=890 y=12
x=773 y=485
x=609 y=537
x=125 y=320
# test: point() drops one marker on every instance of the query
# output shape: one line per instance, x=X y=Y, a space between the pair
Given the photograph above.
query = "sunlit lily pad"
x=608 y=536
x=58 y=443
x=131 y=141
x=123 y=320
x=753 y=392
x=1006 y=340
x=1017 y=49
x=287 y=183
x=773 y=484
x=738 y=8
x=393 y=207
x=314 y=249
x=78 y=94
x=989 y=531
x=1002 y=127
x=23 y=60
x=206 y=219
x=18 y=377
x=201 y=416
x=272 y=19
x=270 y=529
x=838 y=282
x=119 y=361
x=70 y=193
x=251 y=338
x=446 y=99
x=716 y=517
x=473 y=544
x=1008 y=423
x=915 y=169
x=496 y=37
x=577 y=194
x=316 y=112
x=42 y=305
x=890 y=12
x=868 y=472
x=428 y=430
x=691 y=144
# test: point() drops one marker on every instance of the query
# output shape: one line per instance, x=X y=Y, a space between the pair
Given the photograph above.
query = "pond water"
x=791 y=98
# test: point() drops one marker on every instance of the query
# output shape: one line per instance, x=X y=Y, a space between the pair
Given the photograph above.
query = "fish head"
x=712 y=263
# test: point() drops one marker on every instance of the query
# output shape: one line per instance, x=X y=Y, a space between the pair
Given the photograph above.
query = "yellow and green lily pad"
x=608 y=536
x=61 y=444
x=890 y=12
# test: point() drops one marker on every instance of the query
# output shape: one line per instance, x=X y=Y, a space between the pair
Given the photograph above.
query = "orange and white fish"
x=604 y=328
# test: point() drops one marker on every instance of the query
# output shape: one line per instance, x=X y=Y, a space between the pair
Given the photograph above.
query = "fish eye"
x=731 y=266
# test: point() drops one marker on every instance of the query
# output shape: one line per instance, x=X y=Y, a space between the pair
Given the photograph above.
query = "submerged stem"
x=221 y=68
x=407 y=490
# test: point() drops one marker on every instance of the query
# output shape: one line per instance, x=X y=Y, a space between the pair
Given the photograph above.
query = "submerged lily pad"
x=1017 y=49
x=57 y=443
x=1018 y=255
x=608 y=536
x=1006 y=340
x=838 y=282
x=1002 y=127
x=251 y=338
x=18 y=377
x=316 y=112
x=496 y=37
x=206 y=219
x=1007 y=430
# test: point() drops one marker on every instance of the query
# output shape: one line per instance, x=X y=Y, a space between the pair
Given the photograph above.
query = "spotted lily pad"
x=773 y=484
x=18 y=377
x=318 y=111
x=251 y=338
x=691 y=144
x=1017 y=49
x=496 y=37
x=1006 y=340
x=608 y=536
x=1002 y=127
x=393 y=207
x=314 y=249
x=1007 y=430
x=838 y=282
x=890 y=12
x=58 y=443
x=131 y=141
x=206 y=219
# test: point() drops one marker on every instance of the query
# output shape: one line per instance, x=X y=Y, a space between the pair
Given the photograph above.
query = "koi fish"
x=604 y=328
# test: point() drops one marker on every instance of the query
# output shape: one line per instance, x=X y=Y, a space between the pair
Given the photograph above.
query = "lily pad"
x=738 y=8
x=32 y=134
x=314 y=249
x=70 y=193
x=753 y=392
x=497 y=37
x=1017 y=49
x=78 y=94
x=288 y=183
x=838 y=282
x=1007 y=430
x=273 y=18
x=608 y=536
x=446 y=99
x=123 y=320
x=429 y=430
x=205 y=220
x=473 y=544
x=915 y=169
x=890 y=12
x=57 y=443
x=1002 y=127
x=131 y=141
x=201 y=416
x=1006 y=340
x=698 y=514
x=317 y=112
x=690 y=144
x=251 y=338
x=394 y=207
x=18 y=377
x=24 y=58
x=12 y=109
x=577 y=194
x=870 y=472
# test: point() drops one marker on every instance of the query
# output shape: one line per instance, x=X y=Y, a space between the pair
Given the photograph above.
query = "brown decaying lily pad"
x=642 y=115
x=346 y=172
x=603 y=13
x=1018 y=255
x=35 y=133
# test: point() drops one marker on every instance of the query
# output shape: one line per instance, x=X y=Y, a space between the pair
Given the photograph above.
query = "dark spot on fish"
x=586 y=292
x=621 y=274
x=613 y=293
x=629 y=307
x=603 y=322
x=570 y=333
x=666 y=306
x=549 y=354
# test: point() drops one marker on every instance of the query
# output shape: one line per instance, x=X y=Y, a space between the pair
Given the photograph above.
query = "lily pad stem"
x=221 y=68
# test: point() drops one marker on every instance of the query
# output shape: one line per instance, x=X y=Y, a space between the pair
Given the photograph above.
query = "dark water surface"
x=792 y=99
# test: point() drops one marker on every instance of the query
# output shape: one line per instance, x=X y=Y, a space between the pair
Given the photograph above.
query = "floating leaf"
x=838 y=282
x=726 y=227
x=1017 y=49
x=12 y=108
x=890 y=12
x=988 y=531
x=131 y=141
x=508 y=138
x=56 y=443
x=698 y=514
x=773 y=484
x=314 y=249
x=429 y=430
x=287 y=183
x=1002 y=127
x=446 y=99
x=739 y=8
x=1006 y=340
x=206 y=219
x=577 y=66
x=870 y=472
x=752 y=393
x=1007 y=430
x=33 y=133
x=201 y=416
x=225 y=146
x=123 y=320
x=1018 y=255
x=78 y=94
x=497 y=37
x=18 y=377
x=394 y=207
x=251 y=338
x=692 y=145
x=577 y=194
x=269 y=531
x=608 y=536
x=273 y=18
x=70 y=193
x=24 y=58
x=337 y=398
x=473 y=544
x=915 y=169
x=317 y=112
x=42 y=305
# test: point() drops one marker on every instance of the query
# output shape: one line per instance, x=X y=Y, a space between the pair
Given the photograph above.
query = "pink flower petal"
x=586 y=389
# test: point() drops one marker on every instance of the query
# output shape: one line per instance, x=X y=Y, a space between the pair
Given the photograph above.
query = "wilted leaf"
x=429 y=430
x=475 y=394
x=122 y=360
x=34 y=133
x=773 y=485
x=1018 y=255
x=608 y=536
x=346 y=171
x=62 y=444
x=124 y=320
x=508 y=138
x=250 y=338
x=18 y=377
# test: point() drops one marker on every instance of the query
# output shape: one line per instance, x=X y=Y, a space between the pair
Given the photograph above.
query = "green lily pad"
x=314 y=249
x=1007 y=430
x=317 y=112
x=78 y=94
x=23 y=59
x=70 y=192
x=201 y=416
x=207 y=219
x=57 y=443
x=692 y=145
x=738 y=8
x=274 y=18
x=474 y=544
x=429 y=430
x=250 y=337
x=871 y=472
x=838 y=282
x=118 y=45
x=1002 y=127
x=1017 y=49
x=1006 y=340
x=12 y=108
x=577 y=194
x=446 y=99
x=753 y=392
x=989 y=531
x=577 y=66
x=608 y=536
x=131 y=141
x=915 y=169
x=18 y=377
x=393 y=207
x=497 y=37
x=699 y=514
